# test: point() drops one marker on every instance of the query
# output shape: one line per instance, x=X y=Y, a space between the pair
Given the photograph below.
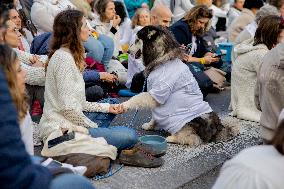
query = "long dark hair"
x=66 y=33
x=120 y=10
x=268 y=31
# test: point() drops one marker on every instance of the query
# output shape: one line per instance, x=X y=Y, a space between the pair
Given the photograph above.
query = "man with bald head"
x=161 y=15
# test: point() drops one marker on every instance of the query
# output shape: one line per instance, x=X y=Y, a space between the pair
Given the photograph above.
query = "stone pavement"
x=184 y=167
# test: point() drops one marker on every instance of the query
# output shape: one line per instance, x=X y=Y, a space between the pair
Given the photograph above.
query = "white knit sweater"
x=64 y=96
x=64 y=104
x=35 y=75
x=243 y=81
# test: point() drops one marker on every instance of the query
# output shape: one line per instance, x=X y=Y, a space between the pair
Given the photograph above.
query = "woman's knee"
x=106 y=41
x=95 y=49
x=130 y=136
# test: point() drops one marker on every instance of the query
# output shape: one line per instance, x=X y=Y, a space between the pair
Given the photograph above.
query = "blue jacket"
x=40 y=44
x=16 y=168
x=183 y=35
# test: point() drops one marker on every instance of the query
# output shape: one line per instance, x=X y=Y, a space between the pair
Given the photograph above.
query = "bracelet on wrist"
x=202 y=60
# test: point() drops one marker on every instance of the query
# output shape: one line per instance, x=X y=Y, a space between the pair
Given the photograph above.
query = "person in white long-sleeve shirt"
x=258 y=167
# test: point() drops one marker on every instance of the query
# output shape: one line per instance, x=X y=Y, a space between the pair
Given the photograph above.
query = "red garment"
x=21 y=46
x=94 y=65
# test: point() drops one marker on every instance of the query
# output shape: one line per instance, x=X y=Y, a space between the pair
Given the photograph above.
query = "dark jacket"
x=16 y=168
x=40 y=44
x=183 y=35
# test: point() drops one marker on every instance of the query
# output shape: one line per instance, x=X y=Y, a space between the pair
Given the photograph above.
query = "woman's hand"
x=108 y=77
x=36 y=62
x=116 y=20
x=210 y=58
x=187 y=58
x=116 y=109
x=34 y=59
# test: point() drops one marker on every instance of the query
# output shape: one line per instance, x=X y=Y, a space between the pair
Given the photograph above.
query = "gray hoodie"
x=269 y=95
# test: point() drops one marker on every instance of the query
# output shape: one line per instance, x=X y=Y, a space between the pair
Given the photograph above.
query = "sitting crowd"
x=64 y=62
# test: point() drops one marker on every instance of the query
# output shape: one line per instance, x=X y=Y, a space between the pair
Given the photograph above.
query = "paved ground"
x=184 y=167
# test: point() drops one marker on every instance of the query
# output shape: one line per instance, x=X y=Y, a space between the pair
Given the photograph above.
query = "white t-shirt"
x=258 y=167
x=26 y=128
x=173 y=86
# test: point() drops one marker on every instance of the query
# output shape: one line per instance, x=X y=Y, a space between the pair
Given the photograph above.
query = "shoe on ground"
x=150 y=149
x=139 y=158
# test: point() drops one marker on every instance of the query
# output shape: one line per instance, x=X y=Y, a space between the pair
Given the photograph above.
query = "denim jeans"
x=100 y=50
x=70 y=181
x=119 y=136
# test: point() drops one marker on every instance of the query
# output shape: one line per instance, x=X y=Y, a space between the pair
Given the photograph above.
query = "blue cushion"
x=126 y=93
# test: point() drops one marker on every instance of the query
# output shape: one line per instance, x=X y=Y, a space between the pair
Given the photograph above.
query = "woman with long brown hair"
x=108 y=22
x=66 y=108
x=16 y=81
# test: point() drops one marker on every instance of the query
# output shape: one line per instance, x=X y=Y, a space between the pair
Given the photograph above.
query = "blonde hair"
x=135 y=19
x=8 y=58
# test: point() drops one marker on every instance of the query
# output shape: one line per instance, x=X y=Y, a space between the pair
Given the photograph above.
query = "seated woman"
x=16 y=81
x=188 y=32
x=24 y=173
x=249 y=57
x=108 y=24
x=33 y=65
x=139 y=20
x=66 y=108
x=26 y=35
